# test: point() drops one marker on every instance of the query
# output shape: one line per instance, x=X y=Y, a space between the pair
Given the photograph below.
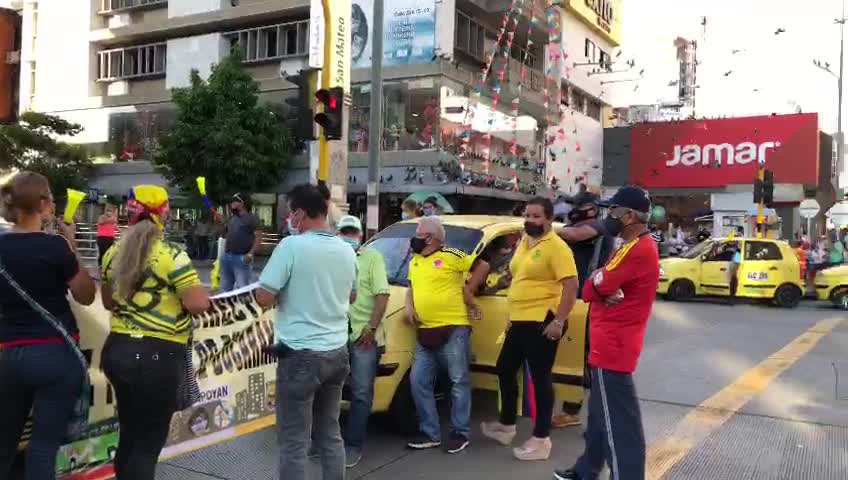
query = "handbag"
x=79 y=415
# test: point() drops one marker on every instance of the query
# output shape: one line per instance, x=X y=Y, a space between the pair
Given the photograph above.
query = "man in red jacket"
x=621 y=296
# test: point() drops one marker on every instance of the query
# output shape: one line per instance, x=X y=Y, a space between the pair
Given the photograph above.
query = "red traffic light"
x=331 y=118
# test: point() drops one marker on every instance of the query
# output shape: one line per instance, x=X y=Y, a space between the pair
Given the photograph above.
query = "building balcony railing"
x=130 y=63
x=109 y=7
x=273 y=42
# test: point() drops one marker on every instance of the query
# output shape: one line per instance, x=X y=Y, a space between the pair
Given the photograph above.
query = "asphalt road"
x=727 y=392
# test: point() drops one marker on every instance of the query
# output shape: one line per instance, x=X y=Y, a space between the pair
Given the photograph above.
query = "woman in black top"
x=38 y=369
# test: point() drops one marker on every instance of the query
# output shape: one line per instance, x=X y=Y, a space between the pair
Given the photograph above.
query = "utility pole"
x=375 y=120
x=840 y=143
x=761 y=176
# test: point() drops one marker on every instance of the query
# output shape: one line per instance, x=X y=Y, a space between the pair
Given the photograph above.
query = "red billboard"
x=716 y=153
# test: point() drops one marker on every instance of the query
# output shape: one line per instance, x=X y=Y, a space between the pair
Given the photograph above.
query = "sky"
x=770 y=73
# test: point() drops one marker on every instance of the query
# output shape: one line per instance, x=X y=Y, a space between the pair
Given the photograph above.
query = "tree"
x=32 y=145
x=223 y=133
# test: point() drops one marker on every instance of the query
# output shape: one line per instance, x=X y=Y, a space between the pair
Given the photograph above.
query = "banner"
x=409 y=32
x=716 y=153
x=237 y=379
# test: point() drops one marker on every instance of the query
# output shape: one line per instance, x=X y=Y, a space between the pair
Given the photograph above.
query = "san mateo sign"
x=605 y=11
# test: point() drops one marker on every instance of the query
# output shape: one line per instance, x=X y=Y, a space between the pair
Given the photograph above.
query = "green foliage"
x=223 y=133
x=32 y=144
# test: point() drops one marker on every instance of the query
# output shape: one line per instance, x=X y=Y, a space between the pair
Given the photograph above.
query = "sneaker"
x=565 y=420
x=534 y=449
x=567 y=474
x=503 y=434
x=352 y=456
x=422 y=442
x=457 y=443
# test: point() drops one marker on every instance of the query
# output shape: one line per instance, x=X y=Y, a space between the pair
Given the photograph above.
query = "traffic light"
x=331 y=119
x=768 y=188
x=758 y=191
x=299 y=109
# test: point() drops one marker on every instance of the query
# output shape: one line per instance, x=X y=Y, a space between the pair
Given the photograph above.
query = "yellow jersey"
x=537 y=275
x=155 y=310
x=437 y=281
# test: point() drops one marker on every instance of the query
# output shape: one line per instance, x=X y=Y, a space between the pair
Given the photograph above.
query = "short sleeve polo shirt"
x=437 y=282
x=537 y=275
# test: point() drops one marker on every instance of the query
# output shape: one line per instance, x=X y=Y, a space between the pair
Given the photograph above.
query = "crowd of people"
x=330 y=297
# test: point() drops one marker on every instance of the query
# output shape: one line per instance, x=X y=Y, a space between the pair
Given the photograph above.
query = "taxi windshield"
x=697 y=250
x=393 y=243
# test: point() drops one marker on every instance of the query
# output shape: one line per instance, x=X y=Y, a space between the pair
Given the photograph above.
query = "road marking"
x=718 y=409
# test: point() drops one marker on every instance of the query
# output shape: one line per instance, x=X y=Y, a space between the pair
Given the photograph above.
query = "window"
x=107 y=6
x=593 y=109
x=131 y=62
x=470 y=36
x=722 y=252
x=590 y=50
x=605 y=60
x=755 y=251
x=270 y=43
x=393 y=244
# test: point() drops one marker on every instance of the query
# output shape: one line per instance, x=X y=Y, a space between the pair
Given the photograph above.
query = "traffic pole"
x=761 y=207
x=323 y=145
x=375 y=120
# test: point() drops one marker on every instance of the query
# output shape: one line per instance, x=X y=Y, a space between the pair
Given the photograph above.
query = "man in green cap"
x=367 y=339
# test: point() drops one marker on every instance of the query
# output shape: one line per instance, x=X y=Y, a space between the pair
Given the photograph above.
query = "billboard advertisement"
x=409 y=32
x=721 y=152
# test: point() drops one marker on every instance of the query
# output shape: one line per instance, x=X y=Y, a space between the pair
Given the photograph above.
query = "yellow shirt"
x=537 y=275
x=155 y=310
x=437 y=282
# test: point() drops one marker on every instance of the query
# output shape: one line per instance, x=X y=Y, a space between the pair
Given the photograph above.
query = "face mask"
x=353 y=242
x=428 y=212
x=534 y=229
x=417 y=244
x=614 y=226
x=404 y=216
x=577 y=216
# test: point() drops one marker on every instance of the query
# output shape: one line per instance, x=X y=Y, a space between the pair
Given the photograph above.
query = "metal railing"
x=113 y=6
x=272 y=42
x=142 y=61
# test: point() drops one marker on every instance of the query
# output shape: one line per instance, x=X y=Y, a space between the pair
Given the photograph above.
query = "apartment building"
x=110 y=65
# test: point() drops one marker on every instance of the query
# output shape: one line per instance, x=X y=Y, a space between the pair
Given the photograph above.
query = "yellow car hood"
x=833 y=273
x=679 y=267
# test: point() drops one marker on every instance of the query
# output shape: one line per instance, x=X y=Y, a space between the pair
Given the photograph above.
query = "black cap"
x=583 y=198
x=630 y=197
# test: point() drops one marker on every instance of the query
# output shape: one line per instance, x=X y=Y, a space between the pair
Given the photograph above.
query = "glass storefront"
x=410 y=115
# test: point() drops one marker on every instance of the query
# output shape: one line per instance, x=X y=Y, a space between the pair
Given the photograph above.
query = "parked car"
x=472 y=235
x=832 y=285
x=769 y=271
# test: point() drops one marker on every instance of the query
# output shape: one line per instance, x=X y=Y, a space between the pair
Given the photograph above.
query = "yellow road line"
x=718 y=409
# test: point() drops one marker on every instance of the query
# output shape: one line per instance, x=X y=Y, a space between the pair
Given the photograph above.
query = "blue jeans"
x=454 y=357
x=363 y=371
x=309 y=396
x=235 y=272
x=47 y=379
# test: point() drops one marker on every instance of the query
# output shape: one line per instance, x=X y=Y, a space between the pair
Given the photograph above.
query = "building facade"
x=110 y=65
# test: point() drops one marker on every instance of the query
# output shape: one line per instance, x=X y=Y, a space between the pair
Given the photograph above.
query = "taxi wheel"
x=788 y=296
x=681 y=291
x=840 y=298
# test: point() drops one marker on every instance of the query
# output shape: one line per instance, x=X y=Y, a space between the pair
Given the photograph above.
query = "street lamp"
x=840 y=141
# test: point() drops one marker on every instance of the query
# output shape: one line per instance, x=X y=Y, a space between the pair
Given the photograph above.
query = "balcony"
x=110 y=7
x=271 y=43
x=132 y=63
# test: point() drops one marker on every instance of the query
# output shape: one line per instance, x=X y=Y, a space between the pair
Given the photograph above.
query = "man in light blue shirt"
x=311 y=277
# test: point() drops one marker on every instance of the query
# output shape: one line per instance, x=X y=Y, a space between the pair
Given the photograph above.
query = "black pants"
x=47 y=380
x=526 y=341
x=614 y=432
x=103 y=244
x=145 y=374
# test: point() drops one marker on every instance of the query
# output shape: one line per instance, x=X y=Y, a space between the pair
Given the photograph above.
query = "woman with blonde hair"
x=151 y=288
x=41 y=368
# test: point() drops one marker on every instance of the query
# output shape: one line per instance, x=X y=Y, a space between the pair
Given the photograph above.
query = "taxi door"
x=485 y=341
x=761 y=272
x=715 y=269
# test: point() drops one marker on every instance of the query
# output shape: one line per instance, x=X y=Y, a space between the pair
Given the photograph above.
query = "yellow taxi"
x=832 y=285
x=495 y=238
x=769 y=270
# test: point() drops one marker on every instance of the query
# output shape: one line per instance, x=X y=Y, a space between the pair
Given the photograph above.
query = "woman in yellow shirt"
x=151 y=288
x=542 y=293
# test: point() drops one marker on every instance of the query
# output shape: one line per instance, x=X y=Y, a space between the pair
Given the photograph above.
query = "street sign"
x=809 y=208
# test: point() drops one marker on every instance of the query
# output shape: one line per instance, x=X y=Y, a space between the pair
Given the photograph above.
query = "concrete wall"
x=182 y=8
x=192 y=53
